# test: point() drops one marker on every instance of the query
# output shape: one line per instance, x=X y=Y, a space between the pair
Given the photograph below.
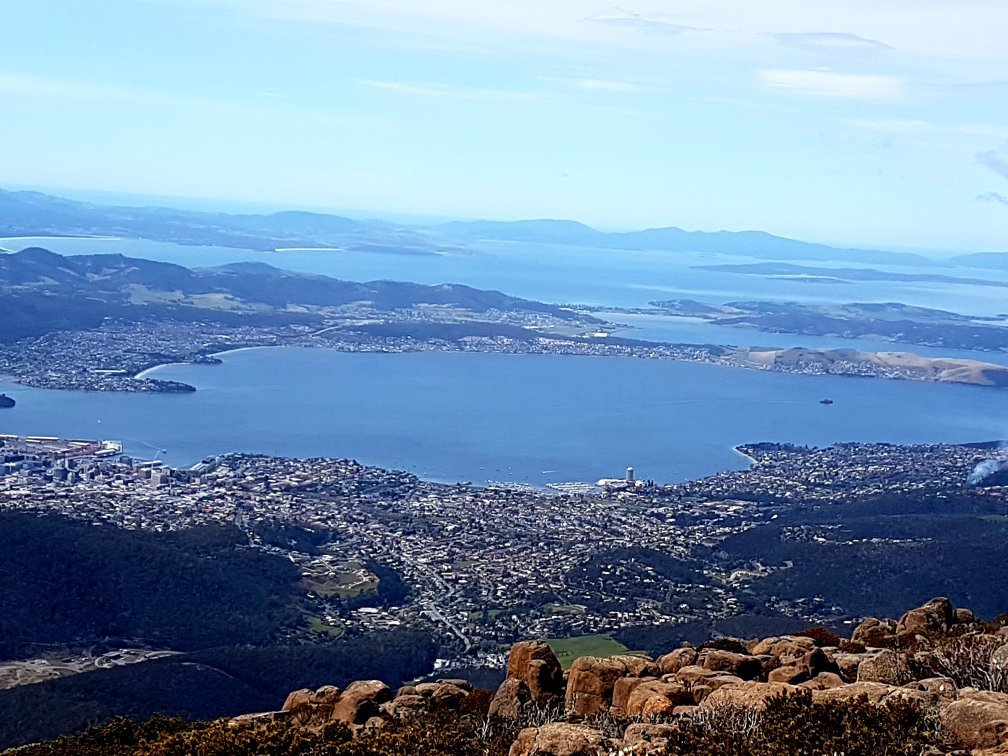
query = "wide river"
x=479 y=417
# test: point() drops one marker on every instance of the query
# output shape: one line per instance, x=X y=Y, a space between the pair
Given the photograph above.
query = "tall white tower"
x=629 y=475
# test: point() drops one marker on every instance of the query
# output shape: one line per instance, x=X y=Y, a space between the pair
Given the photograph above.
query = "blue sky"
x=855 y=121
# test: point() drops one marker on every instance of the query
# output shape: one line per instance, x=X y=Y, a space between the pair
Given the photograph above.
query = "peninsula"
x=99 y=322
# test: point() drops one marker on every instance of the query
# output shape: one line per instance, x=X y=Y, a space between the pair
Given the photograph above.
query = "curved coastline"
x=146 y=372
x=96 y=237
x=738 y=450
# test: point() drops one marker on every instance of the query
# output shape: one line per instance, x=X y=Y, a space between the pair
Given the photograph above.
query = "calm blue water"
x=698 y=331
x=559 y=274
x=526 y=418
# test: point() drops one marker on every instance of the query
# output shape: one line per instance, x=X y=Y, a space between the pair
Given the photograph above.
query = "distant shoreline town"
x=115 y=357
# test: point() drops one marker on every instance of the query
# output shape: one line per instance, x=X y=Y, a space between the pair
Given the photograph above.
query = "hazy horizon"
x=863 y=124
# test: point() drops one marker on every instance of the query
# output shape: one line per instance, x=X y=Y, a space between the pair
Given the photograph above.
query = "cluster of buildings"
x=115 y=356
x=485 y=565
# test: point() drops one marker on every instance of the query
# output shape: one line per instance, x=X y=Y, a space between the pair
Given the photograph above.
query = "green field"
x=319 y=626
x=569 y=649
x=350 y=581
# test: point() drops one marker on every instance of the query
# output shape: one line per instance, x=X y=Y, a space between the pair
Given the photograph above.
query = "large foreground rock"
x=535 y=664
x=361 y=701
x=511 y=699
x=934 y=617
x=560 y=739
x=534 y=678
x=979 y=718
x=873 y=632
x=744 y=666
x=749 y=695
x=884 y=667
x=591 y=680
x=647 y=739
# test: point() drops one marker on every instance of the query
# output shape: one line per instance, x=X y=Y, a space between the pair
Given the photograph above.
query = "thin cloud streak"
x=820 y=83
x=996 y=197
x=995 y=162
x=446 y=91
x=831 y=42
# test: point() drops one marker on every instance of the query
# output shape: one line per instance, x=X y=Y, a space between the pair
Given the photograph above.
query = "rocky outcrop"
x=936 y=616
x=874 y=633
x=511 y=699
x=979 y=718
x=647 y=739
x=534 y=663
x=360 y=701
x=744 y=666
x=747 y=695
x=805 y=668
x=591 y=680
x=534 y=677
x=884 y=663
x=561 y=739
x=672 y=662
x=787 y=649
x=885 y=667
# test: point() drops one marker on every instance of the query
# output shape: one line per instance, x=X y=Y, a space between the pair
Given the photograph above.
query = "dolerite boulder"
x=787 y=648
x=749 y=695
x=744 y=666
x=533 y=676
x=654 y=698
x=312 y=707
x=561 y=739
x=412 y=701
x=885 y=667
x=673 y=661
x=875 y=633
x=979 y=718
x=999 y=659
x=936 y=616
x=361 y=701
x=591 y=680
x=805 y=668
x=511 y=699
x=642 y=739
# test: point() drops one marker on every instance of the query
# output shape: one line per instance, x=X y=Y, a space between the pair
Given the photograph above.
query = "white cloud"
x=911 y=127
x=992 y=197
x=606 y=85
x=17 y=85
x=822 y=83
x=45 y=86
x=831 y=42
x=444 y=90
x=997 y=162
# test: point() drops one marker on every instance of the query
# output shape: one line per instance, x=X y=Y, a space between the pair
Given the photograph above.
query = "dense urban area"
x=485 y=566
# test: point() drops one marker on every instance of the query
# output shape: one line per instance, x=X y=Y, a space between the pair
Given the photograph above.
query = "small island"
x=6 y=402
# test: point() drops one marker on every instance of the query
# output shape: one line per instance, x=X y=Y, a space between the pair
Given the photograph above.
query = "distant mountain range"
x=34 y=213
x=743 y=243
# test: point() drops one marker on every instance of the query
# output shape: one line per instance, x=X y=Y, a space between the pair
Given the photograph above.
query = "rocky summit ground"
x=933 y=682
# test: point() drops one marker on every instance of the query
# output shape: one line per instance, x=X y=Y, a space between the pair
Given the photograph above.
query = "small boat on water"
x=825 y=401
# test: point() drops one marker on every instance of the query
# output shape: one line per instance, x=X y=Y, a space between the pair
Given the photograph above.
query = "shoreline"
x=738 y=352
x=143 y=374
x=737 y=449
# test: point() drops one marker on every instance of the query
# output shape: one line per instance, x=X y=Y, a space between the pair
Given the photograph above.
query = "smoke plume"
x=989 y=467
